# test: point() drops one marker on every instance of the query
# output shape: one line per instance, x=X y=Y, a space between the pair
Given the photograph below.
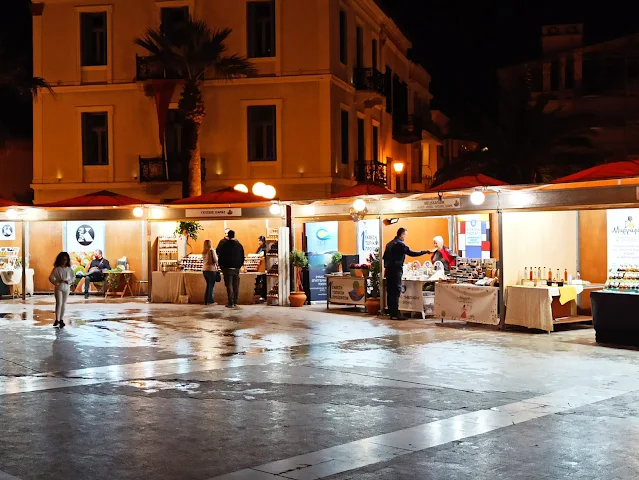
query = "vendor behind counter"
x=442 y=254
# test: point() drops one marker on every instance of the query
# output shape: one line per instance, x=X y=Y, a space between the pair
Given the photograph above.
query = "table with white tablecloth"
x=13 y=279
x=543 y=307
x=172 y=287
x=466 y=302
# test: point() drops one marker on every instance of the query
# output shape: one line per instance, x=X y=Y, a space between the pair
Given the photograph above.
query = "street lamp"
x=240 y=187
x=258 y=189
x=398 y=167
x=269 y=192
x=477 y=197
x=359 y=205
x=275 y=209
x=138 y=212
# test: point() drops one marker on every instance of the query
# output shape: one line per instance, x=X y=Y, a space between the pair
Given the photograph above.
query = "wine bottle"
x=550 y=274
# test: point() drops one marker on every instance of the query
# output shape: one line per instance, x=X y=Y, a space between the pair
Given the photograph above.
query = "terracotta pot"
x=372 y=306
x=297 y=299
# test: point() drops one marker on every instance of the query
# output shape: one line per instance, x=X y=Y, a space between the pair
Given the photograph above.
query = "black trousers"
x=232 y=283
x=92 y=277
x=210 y=287
x=393 y=289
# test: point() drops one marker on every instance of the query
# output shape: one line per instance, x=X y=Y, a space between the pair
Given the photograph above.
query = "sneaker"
x=61 y=323
x=56 y=323
x=399 y=316
x=229 y=306
x=86 y=296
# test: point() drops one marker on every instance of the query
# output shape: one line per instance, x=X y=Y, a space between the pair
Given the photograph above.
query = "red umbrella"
x=103 y=198
x=226 y=196
x=363 y=189
x=9 y=203
x=621 y=169
x=470 y=181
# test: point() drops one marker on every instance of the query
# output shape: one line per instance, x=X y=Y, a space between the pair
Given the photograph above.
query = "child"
x=61 y=277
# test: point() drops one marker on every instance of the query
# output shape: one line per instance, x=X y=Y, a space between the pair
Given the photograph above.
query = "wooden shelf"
x=572 y=319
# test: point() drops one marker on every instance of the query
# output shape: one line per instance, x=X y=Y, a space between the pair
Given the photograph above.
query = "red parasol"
x=9 y=203
x=470 y=181
x=606 y=171
x=363 y=189
x=103 y=198
x=226 y=196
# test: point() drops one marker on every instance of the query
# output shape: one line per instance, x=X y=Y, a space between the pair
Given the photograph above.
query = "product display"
x=9 y=257
x=193 y=263
x=252 y=262
x=168 y=254
x=624 y=278
x=274 y=269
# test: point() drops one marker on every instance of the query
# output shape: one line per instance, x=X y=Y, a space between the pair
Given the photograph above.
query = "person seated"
x=96 y=271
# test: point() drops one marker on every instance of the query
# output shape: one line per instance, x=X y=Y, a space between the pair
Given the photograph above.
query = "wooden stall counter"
x=168 y=287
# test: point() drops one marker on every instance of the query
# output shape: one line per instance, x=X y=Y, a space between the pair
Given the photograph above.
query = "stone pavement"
x=130 y=390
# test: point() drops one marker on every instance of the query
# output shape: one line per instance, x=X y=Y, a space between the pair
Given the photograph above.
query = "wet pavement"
x=130 y=390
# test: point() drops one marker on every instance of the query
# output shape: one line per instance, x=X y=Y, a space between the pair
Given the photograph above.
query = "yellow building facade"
x=337 y=100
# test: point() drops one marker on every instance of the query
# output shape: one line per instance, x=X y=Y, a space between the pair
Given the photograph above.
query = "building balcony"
x=146 y=69
x=408 y=130
x=370 y=171
x=156 y=169
x=369 y=80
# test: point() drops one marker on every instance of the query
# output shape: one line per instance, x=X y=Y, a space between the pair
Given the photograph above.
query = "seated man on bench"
x=98 y=266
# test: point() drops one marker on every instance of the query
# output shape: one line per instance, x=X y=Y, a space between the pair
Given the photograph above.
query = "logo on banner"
x=322 y=235
x=8 y=231
x=85 y=235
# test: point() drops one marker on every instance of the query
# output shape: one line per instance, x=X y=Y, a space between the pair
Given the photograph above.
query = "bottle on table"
x=525 y=273
x=550 y=274
x=557 y=278
x=566 y=275
x=530 y=273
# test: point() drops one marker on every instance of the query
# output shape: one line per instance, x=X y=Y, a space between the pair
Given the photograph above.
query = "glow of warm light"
x=258 y=189
x=398 y=167
x=12 y=214
x=157 y=212
x=269 y=192
x=309 y=210
x=397 y=203
x=275 y=209
x=138 y=212
x=359 y=205
x=240 y=187
x=477 y=197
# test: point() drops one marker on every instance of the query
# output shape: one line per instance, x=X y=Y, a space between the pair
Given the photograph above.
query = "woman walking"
x=61 y=277
x=209 y=269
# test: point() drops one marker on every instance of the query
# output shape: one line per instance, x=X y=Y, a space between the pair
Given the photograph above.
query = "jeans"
x=92 y=277
x=232 y=283
x=393 y=289
x=61 y=295
x=210 y=287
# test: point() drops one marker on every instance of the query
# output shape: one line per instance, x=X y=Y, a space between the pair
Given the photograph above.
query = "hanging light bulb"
x=269 y=192
x=275 y=209
x=258 y=189
x=359 y=205
x=11 y=214
x=309 y=210
x=240 y=187
x=477 y=197
x=138 y=212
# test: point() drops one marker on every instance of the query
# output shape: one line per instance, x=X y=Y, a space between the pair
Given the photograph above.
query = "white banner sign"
x=436 y=204
x=86 y=236
x=623 y=237
x=8 y=231
x=346 y=290
x=367 y=238
x=214 y=212
x=468 y=303
x=411 y=299
x=473 y=231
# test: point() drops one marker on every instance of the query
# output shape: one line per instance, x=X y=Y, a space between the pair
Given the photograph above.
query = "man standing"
x=98 y=266
x=394 y=256
x=231 y=258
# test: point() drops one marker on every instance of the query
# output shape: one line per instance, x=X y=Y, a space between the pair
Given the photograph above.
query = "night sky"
x=460 y=42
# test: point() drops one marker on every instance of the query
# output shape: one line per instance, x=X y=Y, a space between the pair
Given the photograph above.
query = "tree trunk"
x=195 y=164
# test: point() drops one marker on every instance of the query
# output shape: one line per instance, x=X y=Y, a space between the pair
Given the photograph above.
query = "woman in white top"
x=209 y=269
x=61 y=277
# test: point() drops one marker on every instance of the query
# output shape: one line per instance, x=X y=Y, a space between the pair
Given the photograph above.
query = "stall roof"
x=469 y=181
x=226 y=196
x=103 y=198
x=9 y=203
x=606 y=171
x=361 y=190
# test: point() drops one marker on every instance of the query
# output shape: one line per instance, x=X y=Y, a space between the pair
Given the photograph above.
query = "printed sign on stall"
x=8 y=231
x=321 y=237
x=214 y=212
x=468 y=303
x=411 y=299
x=473 y=231
x=367 y=238
x=623 y=237
x=347 y=290
x=85 y=236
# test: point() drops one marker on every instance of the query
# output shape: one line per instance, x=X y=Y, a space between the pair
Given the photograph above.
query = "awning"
x=226 y=196
x=605 y=171
x=470 y=181
x=103 y=198
x=363 y=189
x=9 y=203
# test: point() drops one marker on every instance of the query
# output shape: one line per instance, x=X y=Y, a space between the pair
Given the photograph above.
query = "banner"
x=436 y=204
x=321 y=237
x=623 y=237
x=467 y=303
x=86 y=236
x=473 y=231
x=8 y=231
x=214 y=212
x=367 y=238
x=318 y=267
x=411 y=299
x=346 y=290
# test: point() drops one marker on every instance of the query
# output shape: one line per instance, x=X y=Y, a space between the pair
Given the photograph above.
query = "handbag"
x=218 y=276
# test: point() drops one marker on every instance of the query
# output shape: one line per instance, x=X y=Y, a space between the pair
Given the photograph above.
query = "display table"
x=614 y=316
x=344 y=289
x=412 y=297
x=167 y=287
x=13 y=280
x=115 y=278
x=542 y=307
x=466 y=302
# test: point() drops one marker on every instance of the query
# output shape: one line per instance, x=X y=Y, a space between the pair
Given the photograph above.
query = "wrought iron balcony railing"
x=369 y=79
x=146 y=69
x=156 y=169
x=370 y=171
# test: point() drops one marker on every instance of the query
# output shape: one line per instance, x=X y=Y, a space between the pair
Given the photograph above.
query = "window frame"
x=109 y=169
x=250 y=36
x=345 y=140
x=108 y=68
x=250 y=145
x=375 y=128
x=343 y=36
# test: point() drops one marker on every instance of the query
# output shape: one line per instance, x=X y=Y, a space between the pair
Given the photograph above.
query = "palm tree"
x=193 y=52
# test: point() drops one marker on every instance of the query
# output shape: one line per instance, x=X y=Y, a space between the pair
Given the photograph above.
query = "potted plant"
x=336 y=261
x=359 y=269
x=188 y=230
x=299 y=261
x=372 y=300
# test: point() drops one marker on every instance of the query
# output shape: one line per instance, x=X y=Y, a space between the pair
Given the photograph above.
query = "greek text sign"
x=214 y=212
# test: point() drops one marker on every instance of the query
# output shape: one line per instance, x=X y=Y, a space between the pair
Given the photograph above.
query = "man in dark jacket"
x=230 y=255
x=394 y=256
